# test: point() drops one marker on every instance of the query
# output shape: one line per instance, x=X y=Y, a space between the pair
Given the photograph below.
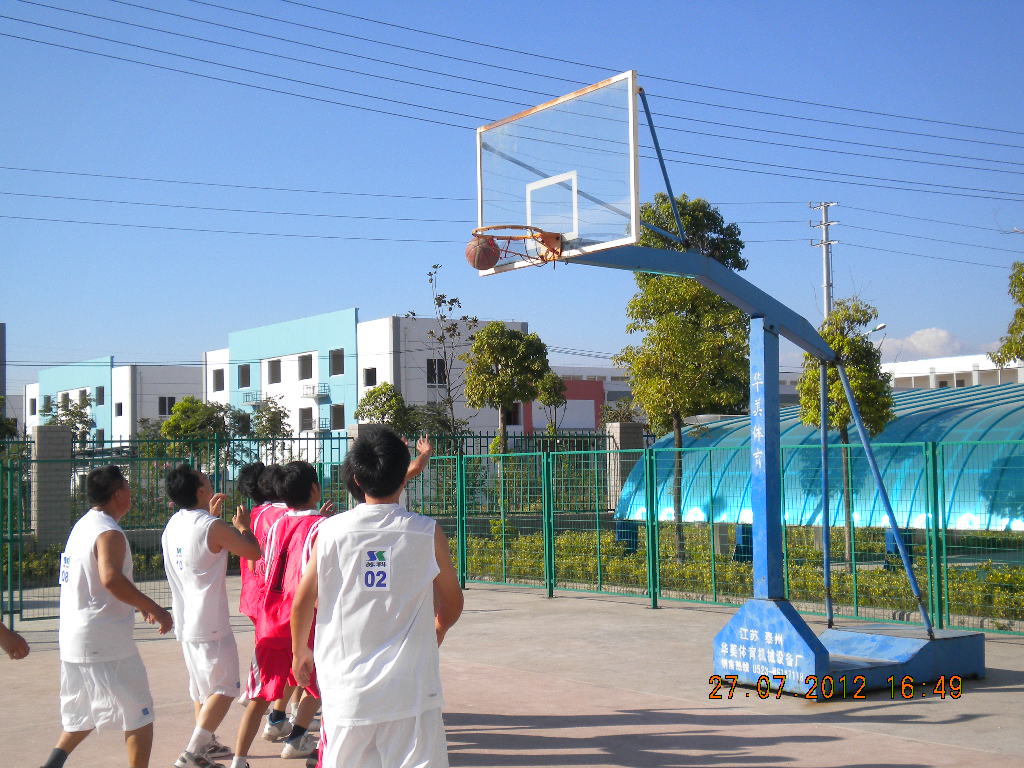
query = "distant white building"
x=953 y=372
x=118 y=396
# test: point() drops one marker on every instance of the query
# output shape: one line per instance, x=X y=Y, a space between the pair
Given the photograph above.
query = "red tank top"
x=263 y=517
x=289 y=546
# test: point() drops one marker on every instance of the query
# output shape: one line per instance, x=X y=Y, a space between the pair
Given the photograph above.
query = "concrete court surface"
x=583 y=680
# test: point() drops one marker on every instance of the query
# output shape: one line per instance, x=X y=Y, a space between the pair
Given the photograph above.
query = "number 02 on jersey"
x=377 y=569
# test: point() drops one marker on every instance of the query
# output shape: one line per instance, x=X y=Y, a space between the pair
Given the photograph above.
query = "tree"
x=450 y=334
x=551 y=395
x=8 y=427
x=693 y=358
x=73 y=414
x=504 y=366
x=194 y=419
x=435 y=419
x=385 y=405
x=845 y=331
x=1011 y=346
x=623 y=411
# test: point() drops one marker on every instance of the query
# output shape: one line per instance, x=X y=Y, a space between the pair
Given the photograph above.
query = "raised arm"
x=111 y=549
x=237 y=538
x=303 y=607
x=448 y=598
x=424 y=450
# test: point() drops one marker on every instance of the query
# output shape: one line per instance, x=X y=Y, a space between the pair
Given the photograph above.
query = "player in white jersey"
x=196 y=544
x=384 y=593
x=102 y=679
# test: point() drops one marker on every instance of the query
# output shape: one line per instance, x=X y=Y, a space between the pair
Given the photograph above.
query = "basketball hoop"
x=522 y=242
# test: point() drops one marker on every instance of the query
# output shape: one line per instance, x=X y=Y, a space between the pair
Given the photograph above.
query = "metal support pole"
x=765 y=477
x=826 y=523
x=884 y=495
x=664 y=171
x=826 y=255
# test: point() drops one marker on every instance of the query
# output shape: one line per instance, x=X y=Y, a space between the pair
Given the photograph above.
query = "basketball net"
x=520 y=242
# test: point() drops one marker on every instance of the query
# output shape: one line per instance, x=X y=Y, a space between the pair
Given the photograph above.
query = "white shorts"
x=103 y=694
x=212 y=667
x=412 y=742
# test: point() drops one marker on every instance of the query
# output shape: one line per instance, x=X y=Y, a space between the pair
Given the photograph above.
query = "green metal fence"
x=544 y=519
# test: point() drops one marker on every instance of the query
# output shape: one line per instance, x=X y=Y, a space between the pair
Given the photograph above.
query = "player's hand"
x=161 y=617
x=242 y=519
x=327 y=508
x=424 y=447
x=217 y=503
x=302 y=666
x=13 y=644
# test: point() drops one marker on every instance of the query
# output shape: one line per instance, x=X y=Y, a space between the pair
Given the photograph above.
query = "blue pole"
x=765 y=478
x=884 y=495
x=664 y=171
x=826 y=524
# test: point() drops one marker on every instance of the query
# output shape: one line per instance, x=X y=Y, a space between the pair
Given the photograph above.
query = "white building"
x=953 y=372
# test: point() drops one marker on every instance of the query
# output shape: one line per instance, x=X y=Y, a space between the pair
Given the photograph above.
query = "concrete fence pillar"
x=51 y=484
x=622 y=436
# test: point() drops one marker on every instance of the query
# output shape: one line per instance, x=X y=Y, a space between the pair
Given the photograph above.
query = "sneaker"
x=187 y=760
x=304 y=746
x=277 y=731
x=215 y=750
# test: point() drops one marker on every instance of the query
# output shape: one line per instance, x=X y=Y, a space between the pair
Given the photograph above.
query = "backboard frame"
x=630 y=77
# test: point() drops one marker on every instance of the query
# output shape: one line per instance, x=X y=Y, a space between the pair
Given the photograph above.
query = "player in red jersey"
x=289 y=543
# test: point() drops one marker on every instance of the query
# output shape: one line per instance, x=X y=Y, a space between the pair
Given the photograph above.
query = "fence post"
x=936 y=564
x=216 y=465
x=547 y=524
x=711 y=523
x=651 y=495
x=460 y=517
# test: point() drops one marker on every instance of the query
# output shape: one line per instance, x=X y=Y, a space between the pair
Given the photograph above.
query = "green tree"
x=845 y=330
x=385 y=405
x=503 y=367
x=623 y=411
x=73 y=414
x=435 y=419
x=194 y=419
x=693 y=358
x=451 y=334
x=8 y=427
x=551 y=395
x=1011 y=346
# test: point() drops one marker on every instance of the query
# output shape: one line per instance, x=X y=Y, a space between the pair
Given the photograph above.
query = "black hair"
x=248 y=482
x=268 y=481
x=376 y=463
x=296 y=483
x=102 y=483
x=182 y=485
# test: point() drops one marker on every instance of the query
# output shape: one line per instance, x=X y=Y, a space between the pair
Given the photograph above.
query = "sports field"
x=585 y=681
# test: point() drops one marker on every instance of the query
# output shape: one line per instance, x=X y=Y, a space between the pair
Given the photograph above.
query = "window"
x=32 y=406
x=305 y=367
x=65 y=399
x=514 y=416
x=436 y=373
x=47 y=403
x=337 y=362
x=960 y=382
x=218 y=379
x=119 y=409
x=274 y=372
x=165 y=406
x=100 y=437
x=337 y=417
x=83 y=397
x=369 y=377
x=244 y=379
x=101 y=396
x=305 y=419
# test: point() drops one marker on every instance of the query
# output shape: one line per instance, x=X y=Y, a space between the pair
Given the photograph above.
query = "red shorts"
x=271 y=671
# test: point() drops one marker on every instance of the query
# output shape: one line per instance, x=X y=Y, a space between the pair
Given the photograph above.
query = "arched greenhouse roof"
x=978 y=473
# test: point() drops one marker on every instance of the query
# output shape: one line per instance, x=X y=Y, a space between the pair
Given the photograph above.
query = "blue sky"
x=72 y=291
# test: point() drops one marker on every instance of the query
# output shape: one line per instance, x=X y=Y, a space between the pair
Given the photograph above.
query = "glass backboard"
x=567 y=166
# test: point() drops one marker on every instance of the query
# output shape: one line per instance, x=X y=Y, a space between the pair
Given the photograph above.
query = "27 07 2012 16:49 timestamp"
x=841 y=687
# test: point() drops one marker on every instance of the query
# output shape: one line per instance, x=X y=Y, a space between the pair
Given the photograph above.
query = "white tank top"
x=197 y=577
x=94 y=625
x=376 y=649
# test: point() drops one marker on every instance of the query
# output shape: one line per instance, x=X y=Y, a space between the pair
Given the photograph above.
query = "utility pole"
x=826 y=252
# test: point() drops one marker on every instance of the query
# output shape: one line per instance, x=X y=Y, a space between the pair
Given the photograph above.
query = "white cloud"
x=927 y=342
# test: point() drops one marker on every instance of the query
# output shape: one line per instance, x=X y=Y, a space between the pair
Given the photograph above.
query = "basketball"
x=482 y=252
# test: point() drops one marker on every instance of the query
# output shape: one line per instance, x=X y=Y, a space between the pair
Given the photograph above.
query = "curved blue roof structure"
x=975 y=473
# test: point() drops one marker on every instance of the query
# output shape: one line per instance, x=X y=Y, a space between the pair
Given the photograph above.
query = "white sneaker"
x=304 y=746
x=215 y=750
x=188 y=760
x=277 y=731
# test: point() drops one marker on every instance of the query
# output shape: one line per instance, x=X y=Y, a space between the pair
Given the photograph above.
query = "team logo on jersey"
x=179 y=559
x=377 y=570
x=65 y=569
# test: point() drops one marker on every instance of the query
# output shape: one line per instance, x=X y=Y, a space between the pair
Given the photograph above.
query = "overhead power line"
x=536 y=55
x=922 y=218
x=934 y=239
x=923 y=255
